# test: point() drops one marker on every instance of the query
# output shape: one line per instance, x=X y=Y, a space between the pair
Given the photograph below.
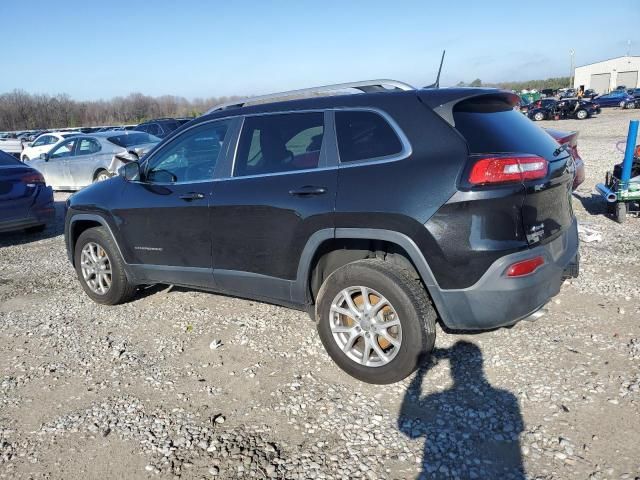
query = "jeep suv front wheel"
x=375 y=320
x=100 y=268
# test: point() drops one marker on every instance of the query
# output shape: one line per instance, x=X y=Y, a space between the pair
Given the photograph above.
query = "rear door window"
x=365 y=136
x=280 y=143
x=87 y=146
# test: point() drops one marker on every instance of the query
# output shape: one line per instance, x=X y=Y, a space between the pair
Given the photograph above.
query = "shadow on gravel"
x=593 y=204
x=21 y=237
x=471 y=430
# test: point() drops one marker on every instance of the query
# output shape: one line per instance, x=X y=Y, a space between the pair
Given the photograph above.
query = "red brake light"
x=33 y=178
x=508 y=169
x=525 y=267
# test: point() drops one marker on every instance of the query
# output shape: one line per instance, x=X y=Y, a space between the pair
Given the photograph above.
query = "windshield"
x=127 y=140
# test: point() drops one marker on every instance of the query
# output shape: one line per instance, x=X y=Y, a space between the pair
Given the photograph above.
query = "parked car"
x=81 y=160
x=590 y=93
x=567 y=93
x=376 y=212
x=635 y=93
x=570 y=139
x=548 y=92
x=43 y=144
x=26 y=202
x=563 y=109
x=160 y=127
x=615 y=99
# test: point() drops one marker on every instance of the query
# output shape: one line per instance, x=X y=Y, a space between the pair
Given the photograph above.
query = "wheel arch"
x=80 y=223
x=329 y=249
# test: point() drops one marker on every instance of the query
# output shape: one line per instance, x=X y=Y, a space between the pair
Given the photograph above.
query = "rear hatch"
x=492 y=128
x=16 y=194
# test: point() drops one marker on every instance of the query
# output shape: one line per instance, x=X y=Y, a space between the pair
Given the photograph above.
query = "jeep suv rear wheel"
x=100 y=268
x=375 y=320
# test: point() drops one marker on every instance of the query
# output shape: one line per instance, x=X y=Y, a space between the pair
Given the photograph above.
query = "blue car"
x=617 y=98
x=26 y=202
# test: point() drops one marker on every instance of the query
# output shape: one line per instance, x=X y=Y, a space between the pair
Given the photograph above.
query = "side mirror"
x=44 y=156
x=29 y=144
x=130 y=171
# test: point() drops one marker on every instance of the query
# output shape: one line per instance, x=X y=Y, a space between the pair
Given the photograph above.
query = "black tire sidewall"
x=416 y=339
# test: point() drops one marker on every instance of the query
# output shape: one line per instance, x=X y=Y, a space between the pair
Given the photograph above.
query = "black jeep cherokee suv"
x=378 y=213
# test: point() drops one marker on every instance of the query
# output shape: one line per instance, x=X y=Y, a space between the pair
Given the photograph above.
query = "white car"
x=43 y=144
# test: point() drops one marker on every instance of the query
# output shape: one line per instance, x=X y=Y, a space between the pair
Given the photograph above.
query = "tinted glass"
x=280 y=143
x=191 y=157
x=365 y=135
x=6 y=159
x=131 y=139
x=153 y=129
x=87 y=146
x=492 y=126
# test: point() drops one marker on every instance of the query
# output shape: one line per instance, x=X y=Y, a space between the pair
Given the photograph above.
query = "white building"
x=607 y=75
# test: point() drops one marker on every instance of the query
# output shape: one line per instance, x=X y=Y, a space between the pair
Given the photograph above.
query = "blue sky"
x=99 y=49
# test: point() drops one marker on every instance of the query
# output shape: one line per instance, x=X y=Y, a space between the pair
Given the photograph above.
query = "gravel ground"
x=136 y=391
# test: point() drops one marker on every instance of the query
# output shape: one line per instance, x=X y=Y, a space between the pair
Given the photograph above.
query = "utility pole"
x=571 y=54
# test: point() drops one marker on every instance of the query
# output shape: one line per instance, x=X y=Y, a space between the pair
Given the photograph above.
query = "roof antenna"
x=437 y=82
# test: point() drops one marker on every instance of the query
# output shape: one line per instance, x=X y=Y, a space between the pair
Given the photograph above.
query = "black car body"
x=453 y=185
x=26 y=202
x=160 y=127
x=547 y=109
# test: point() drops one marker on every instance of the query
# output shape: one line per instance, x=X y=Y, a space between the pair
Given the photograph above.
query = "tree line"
x=20 y=110
x=553 y=83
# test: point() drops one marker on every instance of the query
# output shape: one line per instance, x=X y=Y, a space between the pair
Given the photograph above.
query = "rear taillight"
x=508 y=169
x=525 y=267
x=33 y=179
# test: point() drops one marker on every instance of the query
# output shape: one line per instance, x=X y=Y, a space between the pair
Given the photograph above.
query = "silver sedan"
x=80 y=161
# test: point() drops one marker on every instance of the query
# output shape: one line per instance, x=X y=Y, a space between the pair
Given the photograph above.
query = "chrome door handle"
x=188 y=197
x=308 y=190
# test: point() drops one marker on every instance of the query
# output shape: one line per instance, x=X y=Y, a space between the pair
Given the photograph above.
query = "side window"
x=154 y=129
x=51 y=140
x=279 y=143
x=87 y=146
x=65 y=149
x=365 y=135
x=191 y=157
x=42 y=140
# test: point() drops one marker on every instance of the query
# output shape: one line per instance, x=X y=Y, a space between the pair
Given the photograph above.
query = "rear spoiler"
x=442 y=101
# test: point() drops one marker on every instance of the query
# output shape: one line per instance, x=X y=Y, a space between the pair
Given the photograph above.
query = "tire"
x=621 y=212
x=409 y=308
x=120 y=289
x=101 y=176
x=538 y=116
x=582 y=114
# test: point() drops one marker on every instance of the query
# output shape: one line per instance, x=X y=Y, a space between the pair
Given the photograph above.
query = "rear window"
x=492 y=126
x=6 y=159
x=127 y=140
x=365 y=135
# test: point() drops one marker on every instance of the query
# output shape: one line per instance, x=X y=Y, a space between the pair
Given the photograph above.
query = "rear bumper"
x=496 y=300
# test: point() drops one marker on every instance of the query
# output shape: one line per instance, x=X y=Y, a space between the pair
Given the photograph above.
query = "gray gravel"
x=138 y=390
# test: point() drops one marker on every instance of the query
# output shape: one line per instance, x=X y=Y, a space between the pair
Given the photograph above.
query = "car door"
x=83 y=164
x=280 y=191
x=55 y=167
x=165 y=218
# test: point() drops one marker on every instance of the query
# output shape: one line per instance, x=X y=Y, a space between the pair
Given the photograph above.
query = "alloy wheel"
x=365 y=326
x=96 y=268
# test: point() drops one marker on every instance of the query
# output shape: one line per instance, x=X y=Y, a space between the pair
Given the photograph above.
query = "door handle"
x=192 y=196
x=308 y=190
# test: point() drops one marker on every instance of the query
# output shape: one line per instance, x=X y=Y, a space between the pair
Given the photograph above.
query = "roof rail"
x=366 y=86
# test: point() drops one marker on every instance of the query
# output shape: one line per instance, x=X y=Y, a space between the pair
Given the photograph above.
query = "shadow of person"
x=471 y=430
